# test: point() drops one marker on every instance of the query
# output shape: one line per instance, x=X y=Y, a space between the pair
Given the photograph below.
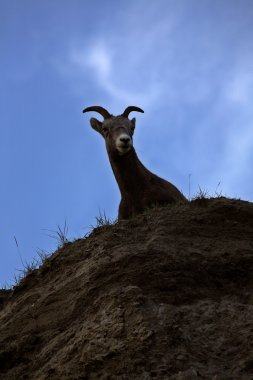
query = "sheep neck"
x=131 y=175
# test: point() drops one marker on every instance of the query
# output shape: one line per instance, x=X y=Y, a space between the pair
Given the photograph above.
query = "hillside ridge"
x=166 y=295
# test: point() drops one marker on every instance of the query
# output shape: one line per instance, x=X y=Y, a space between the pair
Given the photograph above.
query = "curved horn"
x=98 y=109
x=130 y=109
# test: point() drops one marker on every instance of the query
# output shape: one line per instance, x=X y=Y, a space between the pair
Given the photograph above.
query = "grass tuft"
x=201 y=194
x=60 y=235
x=43 y=255
x=103 y=221
x=25 y=271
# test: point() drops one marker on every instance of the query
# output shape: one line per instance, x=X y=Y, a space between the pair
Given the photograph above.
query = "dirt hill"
x=167 y=295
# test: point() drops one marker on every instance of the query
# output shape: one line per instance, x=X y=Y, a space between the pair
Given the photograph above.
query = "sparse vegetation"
x=25 y=271
x=218 y=191
x=103 y=220
x=29 y=267
x=60 y=235
x=43 y=255
x=205 y=194
x=201 y=194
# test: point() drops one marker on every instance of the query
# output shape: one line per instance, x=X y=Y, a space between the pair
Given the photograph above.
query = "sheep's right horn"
x=100 y=110
x=130 y=109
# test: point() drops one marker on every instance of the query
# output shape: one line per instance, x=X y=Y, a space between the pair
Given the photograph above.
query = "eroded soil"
x=167 y=295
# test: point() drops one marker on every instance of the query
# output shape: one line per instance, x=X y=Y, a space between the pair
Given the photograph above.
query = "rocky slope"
x=167 y=295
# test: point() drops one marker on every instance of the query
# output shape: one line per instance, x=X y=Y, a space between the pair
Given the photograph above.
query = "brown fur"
x=139 y=187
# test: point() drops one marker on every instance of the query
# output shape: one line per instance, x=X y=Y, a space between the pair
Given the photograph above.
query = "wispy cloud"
x=97 y=58
x=158 y=61
x=126 y=60
x=152 y=59
x=102 y=61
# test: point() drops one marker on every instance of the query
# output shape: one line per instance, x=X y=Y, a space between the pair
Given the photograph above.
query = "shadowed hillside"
x=167 y=295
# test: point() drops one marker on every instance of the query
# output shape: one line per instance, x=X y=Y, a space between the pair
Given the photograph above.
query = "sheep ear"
x=96 y=124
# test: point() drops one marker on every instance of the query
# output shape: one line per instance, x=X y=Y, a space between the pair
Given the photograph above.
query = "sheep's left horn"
x=100 y=110
x=130 y=109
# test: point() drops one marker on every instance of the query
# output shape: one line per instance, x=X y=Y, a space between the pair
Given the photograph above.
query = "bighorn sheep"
x=138 y=186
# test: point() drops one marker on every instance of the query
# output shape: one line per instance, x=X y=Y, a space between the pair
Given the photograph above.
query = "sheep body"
x=139 y=187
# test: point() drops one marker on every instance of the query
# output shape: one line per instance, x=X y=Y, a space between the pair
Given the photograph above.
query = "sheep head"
x=116 y=130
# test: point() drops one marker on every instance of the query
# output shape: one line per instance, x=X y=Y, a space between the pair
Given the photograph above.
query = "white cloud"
x=162 y=60
x=97 y=58
x=101 y=60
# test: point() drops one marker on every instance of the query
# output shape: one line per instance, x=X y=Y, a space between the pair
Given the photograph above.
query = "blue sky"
x=187 y=63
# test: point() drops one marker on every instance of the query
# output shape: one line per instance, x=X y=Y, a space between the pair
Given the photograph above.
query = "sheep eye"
x=105 y=130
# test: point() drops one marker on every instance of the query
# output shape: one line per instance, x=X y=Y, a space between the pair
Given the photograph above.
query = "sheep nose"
x=125 y=139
